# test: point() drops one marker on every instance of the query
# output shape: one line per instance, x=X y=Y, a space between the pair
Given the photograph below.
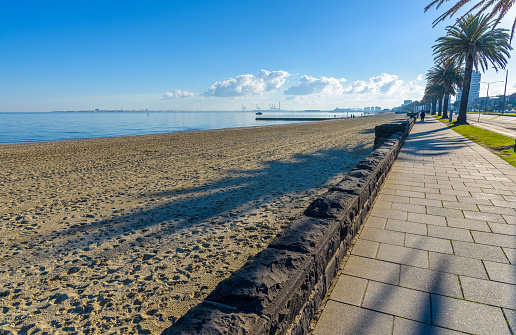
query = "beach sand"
x=124 y=235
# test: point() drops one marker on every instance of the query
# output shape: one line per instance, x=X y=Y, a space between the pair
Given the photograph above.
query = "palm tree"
x=449 y=75
x=435 y=92
x=499 y=10
x=473 y=41
x=426 y=101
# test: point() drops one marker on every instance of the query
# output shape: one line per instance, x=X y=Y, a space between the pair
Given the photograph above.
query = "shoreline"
x=118 y=233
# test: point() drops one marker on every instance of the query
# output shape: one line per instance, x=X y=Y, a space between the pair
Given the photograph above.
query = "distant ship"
x=258 y=109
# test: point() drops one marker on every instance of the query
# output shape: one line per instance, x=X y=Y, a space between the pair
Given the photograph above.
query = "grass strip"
x=499 y=144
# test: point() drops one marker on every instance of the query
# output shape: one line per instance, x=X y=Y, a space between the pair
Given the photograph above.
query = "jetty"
x=297 y=117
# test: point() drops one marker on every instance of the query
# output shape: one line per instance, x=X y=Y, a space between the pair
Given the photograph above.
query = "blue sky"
x=216 y=55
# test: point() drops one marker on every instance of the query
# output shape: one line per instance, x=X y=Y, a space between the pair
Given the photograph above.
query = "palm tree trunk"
x=434 y=103
x=465 y=90
x=446 y=101
x=440 y=111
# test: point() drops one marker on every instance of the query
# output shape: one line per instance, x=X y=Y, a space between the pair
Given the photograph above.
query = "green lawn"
x=501 y=145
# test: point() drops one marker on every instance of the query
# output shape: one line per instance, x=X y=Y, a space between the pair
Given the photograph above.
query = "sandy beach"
x=124 y=235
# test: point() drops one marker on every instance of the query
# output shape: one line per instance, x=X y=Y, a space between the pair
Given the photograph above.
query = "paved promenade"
x=437 y=254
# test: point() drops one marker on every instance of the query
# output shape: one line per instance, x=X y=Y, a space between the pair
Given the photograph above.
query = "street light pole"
x=487 y=95
x=505 y=90
x=485 y=105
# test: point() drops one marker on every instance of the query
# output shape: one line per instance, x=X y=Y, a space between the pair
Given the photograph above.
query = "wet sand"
x=124 y=235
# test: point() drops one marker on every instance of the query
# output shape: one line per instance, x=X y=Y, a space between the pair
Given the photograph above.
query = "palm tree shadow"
x=236 y=194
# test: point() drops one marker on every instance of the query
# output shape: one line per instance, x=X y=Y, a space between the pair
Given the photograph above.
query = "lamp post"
x=505 y=90
x=487 y=94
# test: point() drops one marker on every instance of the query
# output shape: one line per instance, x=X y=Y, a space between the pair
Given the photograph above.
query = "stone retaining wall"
x=280 y=289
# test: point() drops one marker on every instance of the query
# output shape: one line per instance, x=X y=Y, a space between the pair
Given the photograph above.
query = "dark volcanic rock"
x=262 y=280
x=206 y=319
x=332 y=204
x=350 y=184
x=303 y=235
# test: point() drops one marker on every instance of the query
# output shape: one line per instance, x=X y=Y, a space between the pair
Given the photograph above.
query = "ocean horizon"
x=26 y=127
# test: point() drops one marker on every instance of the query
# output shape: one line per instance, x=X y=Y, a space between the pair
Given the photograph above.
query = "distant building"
x=474 y=88
x=367 y=108
x=377 y=108
x=406 y=102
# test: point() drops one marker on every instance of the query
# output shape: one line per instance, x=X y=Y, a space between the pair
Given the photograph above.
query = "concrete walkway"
x=437 y=254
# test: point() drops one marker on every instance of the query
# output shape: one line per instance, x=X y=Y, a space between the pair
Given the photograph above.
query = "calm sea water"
x=39 y=127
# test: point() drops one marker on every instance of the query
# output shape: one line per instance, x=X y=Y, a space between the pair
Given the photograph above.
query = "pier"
x=297 y=117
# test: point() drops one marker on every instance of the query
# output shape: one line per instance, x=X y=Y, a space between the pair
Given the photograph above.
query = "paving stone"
x=383 y=204
x=382 y=235
x=503 y=228
x=430 y=281
x=397 y=186
x=426 y=202
x=502 y=203
x=450 y=233
x=497 y=210
x=409 y=327
x=428 y=243
x=501 y=272
x=393 y=198
x=511 y=318
x=489 y=292
x=511 y=198
x=468 y=224
x=494 y=239
x=443 y=197
x=510 y=219
x=490 y=196
x=460 y=205
x=349 y=290
x=375 y=222
x=467 y=316
x=425 y=218
x=480 y=251
x=398 y=301
x=425 y=189
x=483 y=216
x=441 y=211
x=476 y=201
x=372 y=269
x=365 y=248
x=511 y=254
x=406 y=226
x=388 y=191
x=389 y=213
x=402 y=255
x=408 y=207
x=462 y=192
x=456 y=264
x=342 y=319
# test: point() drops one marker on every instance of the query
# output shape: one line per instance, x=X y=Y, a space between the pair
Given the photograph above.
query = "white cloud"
x=321 y=86
x=177 y=94
x=248 y=84
x=382 y=84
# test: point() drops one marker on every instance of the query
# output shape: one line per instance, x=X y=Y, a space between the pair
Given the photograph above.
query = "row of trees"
x=473 y=42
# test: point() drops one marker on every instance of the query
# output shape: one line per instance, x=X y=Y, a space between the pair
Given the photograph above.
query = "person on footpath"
x=422 y=116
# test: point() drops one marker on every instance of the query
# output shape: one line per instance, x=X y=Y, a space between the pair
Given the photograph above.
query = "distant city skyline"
x=474 y=90
x=201 y=55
